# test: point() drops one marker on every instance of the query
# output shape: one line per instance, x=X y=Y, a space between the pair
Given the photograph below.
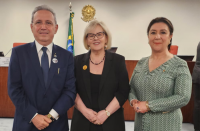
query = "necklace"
x=99 y=62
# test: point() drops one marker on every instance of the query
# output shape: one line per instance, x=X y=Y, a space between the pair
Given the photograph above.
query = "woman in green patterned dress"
x=160 y=84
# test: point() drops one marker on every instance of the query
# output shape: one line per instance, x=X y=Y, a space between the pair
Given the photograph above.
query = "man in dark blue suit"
x=41 y=81
x=196 y=87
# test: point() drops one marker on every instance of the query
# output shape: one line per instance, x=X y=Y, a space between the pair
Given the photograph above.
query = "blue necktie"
x=45 y=65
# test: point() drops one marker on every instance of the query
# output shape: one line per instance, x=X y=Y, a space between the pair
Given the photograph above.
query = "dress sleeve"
x=182 y=92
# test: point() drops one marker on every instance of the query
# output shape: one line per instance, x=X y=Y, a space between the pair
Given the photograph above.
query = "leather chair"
x=174 y=49
x=17 y=44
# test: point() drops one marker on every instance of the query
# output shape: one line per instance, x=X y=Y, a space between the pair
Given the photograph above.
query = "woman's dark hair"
x=162 y=20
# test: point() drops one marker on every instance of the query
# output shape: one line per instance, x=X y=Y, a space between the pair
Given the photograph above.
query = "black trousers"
x=196 y=115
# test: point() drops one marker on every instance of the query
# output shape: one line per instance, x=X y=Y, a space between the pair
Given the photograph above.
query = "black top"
x=95 y=81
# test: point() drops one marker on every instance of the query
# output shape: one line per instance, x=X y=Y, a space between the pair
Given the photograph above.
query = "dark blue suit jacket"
x=27 y=90
x=196 y=70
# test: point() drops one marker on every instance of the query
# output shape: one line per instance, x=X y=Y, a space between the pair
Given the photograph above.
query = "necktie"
x=45 y=64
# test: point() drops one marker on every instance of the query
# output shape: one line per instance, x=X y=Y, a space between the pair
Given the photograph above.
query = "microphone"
x=8 y=52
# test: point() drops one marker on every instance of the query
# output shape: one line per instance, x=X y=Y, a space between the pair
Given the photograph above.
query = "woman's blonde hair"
x=92 y=25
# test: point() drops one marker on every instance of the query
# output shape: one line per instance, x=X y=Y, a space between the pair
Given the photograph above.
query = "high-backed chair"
x=17 y=44
x=174 y=49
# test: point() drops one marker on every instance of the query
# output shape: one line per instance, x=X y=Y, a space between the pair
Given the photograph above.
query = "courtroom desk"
x=7 y=108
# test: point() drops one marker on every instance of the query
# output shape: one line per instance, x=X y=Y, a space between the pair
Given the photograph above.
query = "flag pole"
x=70 y=31
x=70 y=7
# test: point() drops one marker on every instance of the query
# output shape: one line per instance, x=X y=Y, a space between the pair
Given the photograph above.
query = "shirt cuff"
x=54 y=114
x=33 y=117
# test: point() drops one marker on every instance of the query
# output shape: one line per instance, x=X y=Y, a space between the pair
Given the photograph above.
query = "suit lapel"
x=106 y=69
x=54 y=66
x=35 y=62
x=86 y=74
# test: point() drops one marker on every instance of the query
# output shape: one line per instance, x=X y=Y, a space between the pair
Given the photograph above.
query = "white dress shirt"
x=49 y=53
x=40 y=52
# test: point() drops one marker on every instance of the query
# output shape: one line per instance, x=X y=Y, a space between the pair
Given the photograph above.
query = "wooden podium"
x=7 y=108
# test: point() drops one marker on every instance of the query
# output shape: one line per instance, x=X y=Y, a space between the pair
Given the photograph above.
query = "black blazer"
x=114 y=83
x=196 y=70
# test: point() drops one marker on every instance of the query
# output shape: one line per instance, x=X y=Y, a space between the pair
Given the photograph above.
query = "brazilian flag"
x=70 y=40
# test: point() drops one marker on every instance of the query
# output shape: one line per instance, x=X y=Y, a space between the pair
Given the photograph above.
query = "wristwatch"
x=107 y=113
x=50 y=117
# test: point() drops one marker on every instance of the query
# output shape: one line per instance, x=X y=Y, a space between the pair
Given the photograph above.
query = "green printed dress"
x=167 y=89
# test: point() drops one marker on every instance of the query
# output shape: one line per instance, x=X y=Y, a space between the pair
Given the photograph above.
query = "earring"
x=105 y=46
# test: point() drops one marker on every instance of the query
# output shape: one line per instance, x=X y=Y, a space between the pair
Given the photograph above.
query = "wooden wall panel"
x=7 y=109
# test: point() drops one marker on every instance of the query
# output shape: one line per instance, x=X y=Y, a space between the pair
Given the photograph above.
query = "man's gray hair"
x=43 y=7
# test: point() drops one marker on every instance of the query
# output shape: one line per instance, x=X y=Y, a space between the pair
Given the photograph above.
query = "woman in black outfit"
x=102 y=84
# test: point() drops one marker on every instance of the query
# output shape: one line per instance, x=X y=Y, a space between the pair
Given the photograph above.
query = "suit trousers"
x=196 y=115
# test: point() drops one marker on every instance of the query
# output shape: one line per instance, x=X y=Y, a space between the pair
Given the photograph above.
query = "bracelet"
x=131 y=103
x=147 y=105
x=107 y=113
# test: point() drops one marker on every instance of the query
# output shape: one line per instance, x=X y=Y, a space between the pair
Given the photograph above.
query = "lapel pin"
x=58 y=70
x=55 y=60
x=84 y=67
x=55 y=55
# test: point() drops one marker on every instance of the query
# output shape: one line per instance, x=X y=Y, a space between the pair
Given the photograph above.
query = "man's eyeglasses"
x=99 y=35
